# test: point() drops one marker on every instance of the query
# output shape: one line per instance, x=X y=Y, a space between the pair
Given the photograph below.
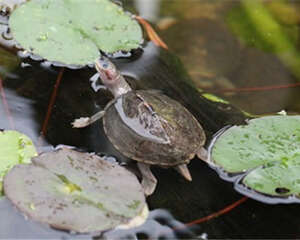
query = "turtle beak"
x=184 y=171
x=102 y=65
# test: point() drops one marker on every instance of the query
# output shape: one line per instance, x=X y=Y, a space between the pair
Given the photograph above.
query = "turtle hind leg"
x=85 y=121
x=149 y=181
x=202 y=154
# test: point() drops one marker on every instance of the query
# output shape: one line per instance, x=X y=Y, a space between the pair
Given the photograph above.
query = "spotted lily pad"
x=76 y=191
x=15 y=148
x=278 y=179
x=263 y=156
x=73 y=31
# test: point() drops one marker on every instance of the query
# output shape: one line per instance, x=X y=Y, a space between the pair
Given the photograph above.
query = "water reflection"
x=160 y=224
x=13 y=225
x=21 y=113
x=211 y=54
x=218 y=56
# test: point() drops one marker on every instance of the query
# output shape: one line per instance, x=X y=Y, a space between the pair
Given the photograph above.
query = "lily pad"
x=76 y=191
x=73 y=31
x=278 y=179
x=15 y=148
x=265 y=154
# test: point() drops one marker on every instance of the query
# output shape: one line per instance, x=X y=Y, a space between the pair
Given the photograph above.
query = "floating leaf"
x=278 y=179
x=270 y=146
x=76 y=191
x=15 y=148
x=73 y=31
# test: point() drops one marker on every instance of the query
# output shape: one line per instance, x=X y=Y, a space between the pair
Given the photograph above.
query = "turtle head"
x=111 y=77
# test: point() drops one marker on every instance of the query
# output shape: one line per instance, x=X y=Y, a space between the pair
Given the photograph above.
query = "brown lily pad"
x=75 y=191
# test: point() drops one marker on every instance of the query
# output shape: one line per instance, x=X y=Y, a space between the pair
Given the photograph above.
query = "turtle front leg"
x=85 y=121
x=202 y=154
x=149 y=181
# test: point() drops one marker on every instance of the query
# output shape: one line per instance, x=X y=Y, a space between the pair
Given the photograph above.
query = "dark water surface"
x=204 y=54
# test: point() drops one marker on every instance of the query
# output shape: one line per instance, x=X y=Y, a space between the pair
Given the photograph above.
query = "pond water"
x=212 y=48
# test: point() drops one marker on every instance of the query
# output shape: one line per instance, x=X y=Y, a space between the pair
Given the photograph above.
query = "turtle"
x=147 y=126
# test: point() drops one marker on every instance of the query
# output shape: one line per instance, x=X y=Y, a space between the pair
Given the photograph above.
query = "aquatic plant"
x=76 y=191
x=262 y=157
x=73 y=32
x=16 y=148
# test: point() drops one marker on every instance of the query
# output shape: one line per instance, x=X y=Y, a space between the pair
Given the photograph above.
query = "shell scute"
x=153 y=128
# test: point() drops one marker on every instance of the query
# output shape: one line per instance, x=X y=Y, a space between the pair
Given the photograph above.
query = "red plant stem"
x=52 y=101
x=5 y=105
x=217 y=214
x=151 y=33
x=256 y=89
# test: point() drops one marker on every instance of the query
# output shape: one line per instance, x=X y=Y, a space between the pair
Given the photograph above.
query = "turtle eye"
x=105 y=65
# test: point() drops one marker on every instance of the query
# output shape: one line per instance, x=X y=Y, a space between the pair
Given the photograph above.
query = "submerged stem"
x=51 y=102
x=216 y=214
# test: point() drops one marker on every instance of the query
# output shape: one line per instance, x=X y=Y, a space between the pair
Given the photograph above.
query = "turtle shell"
x=150 y=127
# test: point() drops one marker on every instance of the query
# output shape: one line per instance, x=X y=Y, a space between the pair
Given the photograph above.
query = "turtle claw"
x=184 y=171
x=81 y=122
x=85 y=121
x=148 y=186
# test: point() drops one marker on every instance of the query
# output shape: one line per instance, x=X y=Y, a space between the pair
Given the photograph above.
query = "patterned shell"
x=150 y=127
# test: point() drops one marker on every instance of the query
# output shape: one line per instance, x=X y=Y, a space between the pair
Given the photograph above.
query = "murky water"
x=214 y=58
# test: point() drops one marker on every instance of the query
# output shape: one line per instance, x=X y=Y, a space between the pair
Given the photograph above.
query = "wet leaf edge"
x=138 y=220
x=26 y=53
x=27 y=161
x=237 y=178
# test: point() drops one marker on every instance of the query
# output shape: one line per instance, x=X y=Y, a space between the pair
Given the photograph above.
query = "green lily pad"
x=73 y=31
x=270 y=147
x=76 y=191
x=15 y=148
x=280 y=179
